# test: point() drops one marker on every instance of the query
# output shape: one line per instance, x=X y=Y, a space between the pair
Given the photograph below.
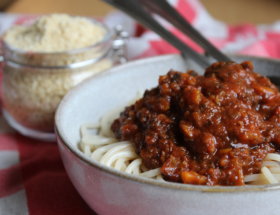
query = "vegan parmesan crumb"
x=55 y=33
x=42 y=72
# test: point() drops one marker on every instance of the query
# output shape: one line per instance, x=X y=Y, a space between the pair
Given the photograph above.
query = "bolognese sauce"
x=208 y=130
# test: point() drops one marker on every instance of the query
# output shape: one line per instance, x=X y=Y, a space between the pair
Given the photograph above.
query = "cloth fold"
x=32 y=178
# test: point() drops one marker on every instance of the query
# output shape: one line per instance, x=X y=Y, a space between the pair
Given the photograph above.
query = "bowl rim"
x=147 y=181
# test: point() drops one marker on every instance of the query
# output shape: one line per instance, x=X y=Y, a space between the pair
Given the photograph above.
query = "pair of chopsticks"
x=142 y=11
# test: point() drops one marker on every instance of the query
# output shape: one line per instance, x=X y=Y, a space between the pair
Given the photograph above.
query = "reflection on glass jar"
x=34 y=83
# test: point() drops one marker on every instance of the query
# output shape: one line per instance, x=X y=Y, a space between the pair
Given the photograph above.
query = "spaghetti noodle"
x=110 y=152
x=98 y=143
x=270 y=171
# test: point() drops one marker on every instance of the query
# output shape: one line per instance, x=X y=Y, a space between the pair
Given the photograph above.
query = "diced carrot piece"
x=191 y=177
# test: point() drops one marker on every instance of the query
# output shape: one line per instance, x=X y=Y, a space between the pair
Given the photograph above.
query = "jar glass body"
x=35 y=83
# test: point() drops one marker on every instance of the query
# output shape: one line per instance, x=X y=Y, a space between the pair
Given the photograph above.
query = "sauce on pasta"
x=208 y=130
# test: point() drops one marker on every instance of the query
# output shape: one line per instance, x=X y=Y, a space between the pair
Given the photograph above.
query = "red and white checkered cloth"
x=32 y=178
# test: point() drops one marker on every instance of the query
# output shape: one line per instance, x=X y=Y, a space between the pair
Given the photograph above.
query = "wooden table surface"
x=230 y=11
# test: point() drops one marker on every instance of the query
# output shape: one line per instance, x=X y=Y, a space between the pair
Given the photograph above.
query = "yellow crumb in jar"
x=46 y=59
x=55 y=33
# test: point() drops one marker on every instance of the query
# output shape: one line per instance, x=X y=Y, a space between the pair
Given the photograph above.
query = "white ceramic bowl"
x=111 y=192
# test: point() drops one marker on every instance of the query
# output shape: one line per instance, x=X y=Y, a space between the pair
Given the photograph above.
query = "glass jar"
x=35 y=83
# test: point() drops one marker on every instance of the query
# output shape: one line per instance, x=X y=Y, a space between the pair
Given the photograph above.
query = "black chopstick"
x=167 y=12
x=136 y=10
